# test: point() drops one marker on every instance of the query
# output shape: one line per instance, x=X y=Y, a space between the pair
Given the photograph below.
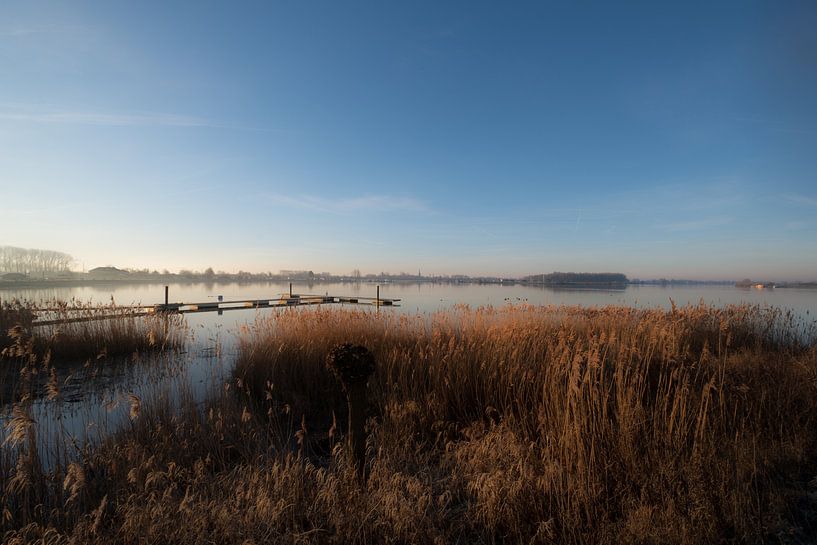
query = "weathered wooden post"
x=353 y=365
x=165 y=313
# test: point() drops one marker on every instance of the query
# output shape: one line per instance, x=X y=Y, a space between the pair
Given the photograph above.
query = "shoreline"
x=78 y=283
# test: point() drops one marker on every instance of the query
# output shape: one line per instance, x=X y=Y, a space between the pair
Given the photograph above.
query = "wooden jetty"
x=284 y=300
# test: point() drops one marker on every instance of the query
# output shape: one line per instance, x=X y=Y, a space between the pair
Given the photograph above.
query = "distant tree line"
x=285 y=275
x=571 y=278
x=32 y=260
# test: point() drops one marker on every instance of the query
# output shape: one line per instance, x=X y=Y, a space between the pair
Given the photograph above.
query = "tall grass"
x=521 y=425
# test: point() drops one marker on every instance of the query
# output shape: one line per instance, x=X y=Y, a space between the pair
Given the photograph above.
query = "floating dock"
x=284 y=300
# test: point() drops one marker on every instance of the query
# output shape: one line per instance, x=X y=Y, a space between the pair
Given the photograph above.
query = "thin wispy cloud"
x=772 y=124
x=370 y=203
x=801 y=200
x=22 y=31
x=106 y=119
x=695 y=225
x=25 y=113
x=44 y=211
x=798 y=225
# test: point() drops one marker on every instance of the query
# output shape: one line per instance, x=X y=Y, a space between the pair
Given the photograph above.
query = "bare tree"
x=32 y=260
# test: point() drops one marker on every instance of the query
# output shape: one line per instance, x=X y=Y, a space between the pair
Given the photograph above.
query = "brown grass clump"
x=31 y=353
x=90 y=331
x=13 y=314
x=514 y=425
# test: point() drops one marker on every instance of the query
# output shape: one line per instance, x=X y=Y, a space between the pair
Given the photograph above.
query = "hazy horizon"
x=82 y=267
x=647 y=139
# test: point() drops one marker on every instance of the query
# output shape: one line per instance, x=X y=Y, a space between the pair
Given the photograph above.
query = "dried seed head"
x=74 y=481
x=53 y=387
x=19 y=426
x=135 y=406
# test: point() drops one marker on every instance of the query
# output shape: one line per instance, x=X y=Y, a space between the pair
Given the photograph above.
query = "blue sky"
x=477 y=138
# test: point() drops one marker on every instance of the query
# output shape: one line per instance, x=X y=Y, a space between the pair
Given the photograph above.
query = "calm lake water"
x=95 y=401
x=430 y=297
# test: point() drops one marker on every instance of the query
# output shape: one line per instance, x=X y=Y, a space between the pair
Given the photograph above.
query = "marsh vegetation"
x=77 y=334
x=522 y=424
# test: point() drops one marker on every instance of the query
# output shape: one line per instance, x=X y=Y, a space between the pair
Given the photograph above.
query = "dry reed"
x=514 y=425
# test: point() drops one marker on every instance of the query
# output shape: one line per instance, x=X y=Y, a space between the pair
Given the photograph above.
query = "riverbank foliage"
x=515 y=425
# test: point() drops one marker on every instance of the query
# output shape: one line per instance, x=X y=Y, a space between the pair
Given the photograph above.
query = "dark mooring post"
x=353 y=365
x=166 y=292
x=377 y=301
x=290 y=290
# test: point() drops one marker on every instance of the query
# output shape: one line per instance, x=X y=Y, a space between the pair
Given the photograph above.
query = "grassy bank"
x=526 y=424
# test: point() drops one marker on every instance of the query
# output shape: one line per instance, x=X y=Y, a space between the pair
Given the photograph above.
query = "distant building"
x=107 y=273
x=297 y=275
